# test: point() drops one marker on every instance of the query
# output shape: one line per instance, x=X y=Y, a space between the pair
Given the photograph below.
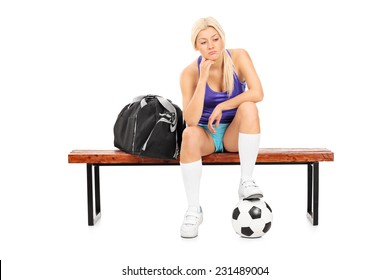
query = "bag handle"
x=165 y=103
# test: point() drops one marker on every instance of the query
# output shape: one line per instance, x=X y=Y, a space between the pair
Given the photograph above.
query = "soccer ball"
x=252 y=218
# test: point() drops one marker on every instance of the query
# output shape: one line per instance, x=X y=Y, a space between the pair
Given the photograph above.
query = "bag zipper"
x=177 y=149
x=134 y=132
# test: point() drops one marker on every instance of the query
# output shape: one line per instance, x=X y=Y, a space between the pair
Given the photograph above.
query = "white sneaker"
x=249 y=190
x=191 y=222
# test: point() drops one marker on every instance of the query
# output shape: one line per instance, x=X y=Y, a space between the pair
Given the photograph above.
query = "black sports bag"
x=150 y=126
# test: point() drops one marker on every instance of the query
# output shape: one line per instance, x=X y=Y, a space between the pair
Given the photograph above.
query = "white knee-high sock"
x=192 y=172
x=248 y=148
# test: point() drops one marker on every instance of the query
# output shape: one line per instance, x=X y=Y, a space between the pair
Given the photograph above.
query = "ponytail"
x=228 y=73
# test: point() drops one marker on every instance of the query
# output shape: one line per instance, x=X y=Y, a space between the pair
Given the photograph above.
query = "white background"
x=68 y=67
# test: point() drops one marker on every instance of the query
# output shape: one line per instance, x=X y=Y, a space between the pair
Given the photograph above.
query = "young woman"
x=220 y=91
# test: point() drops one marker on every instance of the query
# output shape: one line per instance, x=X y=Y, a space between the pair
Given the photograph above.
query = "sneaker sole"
x=253 y=196
x=188 y=237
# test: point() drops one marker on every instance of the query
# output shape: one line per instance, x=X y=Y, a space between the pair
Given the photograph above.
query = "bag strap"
x=139 y=98
x=168 y=105
x=165 y=103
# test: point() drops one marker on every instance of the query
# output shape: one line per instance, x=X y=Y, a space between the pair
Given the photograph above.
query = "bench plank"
x=269 y=155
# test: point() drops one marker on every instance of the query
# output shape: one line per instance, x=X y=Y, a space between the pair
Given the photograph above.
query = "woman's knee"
x=248 y=111
x=191 y=137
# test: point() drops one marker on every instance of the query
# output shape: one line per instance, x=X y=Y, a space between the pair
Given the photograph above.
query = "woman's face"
x=209 y=43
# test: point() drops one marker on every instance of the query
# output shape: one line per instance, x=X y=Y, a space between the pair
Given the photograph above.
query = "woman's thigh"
x=230 y=140
x=246 y=120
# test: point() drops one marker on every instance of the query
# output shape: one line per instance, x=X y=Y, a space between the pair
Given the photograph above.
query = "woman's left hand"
x=215 y=116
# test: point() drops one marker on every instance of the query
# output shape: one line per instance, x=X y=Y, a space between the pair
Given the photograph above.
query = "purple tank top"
x=213 y=98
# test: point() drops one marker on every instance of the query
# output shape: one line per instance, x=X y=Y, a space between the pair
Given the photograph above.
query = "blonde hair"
x=228 y=67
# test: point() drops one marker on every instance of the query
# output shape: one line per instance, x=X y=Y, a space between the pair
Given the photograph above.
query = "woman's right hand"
x=205 y=65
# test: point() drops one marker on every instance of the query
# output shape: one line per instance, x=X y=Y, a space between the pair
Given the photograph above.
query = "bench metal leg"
x=312 y=192
x=93 y=185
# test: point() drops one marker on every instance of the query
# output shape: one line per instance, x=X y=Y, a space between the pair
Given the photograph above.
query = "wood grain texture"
x=266 y=155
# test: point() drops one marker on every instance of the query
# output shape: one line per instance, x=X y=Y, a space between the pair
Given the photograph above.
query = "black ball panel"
x=247 y=231
x=267 y=227
x=269 y=208
x=236 y=213
x=255 y=212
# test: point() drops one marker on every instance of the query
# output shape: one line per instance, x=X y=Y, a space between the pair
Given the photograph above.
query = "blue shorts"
x=217 y=136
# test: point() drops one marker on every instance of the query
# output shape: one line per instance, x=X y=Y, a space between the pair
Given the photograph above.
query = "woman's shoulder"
x=241 y=58
x=238 y=53
x=190 y=71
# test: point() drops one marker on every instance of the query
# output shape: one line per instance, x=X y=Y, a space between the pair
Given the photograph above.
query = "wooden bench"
x=96 y=158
